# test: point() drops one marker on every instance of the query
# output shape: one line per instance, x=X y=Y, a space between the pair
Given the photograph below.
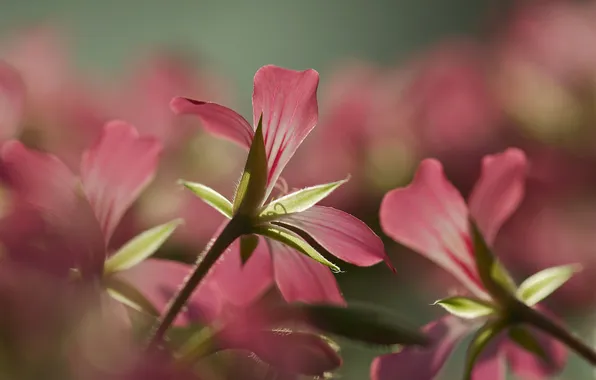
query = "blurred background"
x=400 y=81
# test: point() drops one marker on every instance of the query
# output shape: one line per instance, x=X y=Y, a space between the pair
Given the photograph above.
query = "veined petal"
x=116 y=170
x=287 y=100
x=12 y=99
x=217 y=119
x=302 y=279
x=68 y=235
x=430 y=217
x=499 y=191
x=342 y=234
x=241 y=283
x=422 y=363
x=528 y=365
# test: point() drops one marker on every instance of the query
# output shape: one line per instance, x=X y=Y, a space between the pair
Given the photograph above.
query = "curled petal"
x=12 y=99
x=342 y=234
x=239 y=283
x=302 y=279
x=287 y=100
x=499 y=191
x=219 y=120
x=430 y=217
x=422 y=363
x=116 y=170
x=528 y=365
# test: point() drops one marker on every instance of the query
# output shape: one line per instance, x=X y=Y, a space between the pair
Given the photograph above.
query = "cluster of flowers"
x=85 y=209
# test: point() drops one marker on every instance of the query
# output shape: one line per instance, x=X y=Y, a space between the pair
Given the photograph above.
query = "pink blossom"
x=449 y=100
x=59 y=224
x=287 y=102
x=431 y=217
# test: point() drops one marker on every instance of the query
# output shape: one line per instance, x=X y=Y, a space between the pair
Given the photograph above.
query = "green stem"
x=233 y=230
x=559 y=332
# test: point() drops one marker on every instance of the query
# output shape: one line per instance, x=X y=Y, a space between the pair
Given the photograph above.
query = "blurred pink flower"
x=58 y=224
x=545 y=72
x=62 y=113
x=363 y=123
x=449 y=100
x=287 y=102
x=431 y=217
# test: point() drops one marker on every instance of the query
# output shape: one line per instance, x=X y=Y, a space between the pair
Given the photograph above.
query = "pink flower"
x=431 y=217
x=449 y=98
x=286 y=100
x=59 y=223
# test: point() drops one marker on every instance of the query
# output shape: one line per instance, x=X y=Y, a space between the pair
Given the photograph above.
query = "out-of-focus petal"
x=160 y=280
x=422 y=363
x=116 y=170
x=499 y=190
x=243 y=284
x=12 y=99
x=218 y=120
x=342 y=234
x=302 y=279
x=528 y=365
x=491 y=363
x=431 y=217
x=287 y=100
x=63 y=232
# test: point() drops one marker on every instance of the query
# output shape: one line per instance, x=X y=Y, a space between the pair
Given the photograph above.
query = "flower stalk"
x=554 y=329
x=235 y=228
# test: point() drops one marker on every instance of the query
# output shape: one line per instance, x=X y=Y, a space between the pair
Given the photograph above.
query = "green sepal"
x=466 y=308
x=298 y=201
x=140 y=247
x=479 y=342
x=125 y=293
x=494 y=276
x=251 y=190
x=289 y=238
x=248 y=244
x=542 y=284
x=211 y=197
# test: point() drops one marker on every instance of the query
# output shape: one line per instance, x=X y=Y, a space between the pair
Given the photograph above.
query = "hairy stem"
x=233 y=230
x=559 y=332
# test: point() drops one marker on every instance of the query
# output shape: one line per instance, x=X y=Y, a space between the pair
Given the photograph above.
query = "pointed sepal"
x=466 y=308
x=211 y=197
x=140 y=247
x=252 y=187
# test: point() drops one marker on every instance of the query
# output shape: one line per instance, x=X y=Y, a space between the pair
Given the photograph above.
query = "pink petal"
x=422 y=363
x=430 y=217
x=12 y=99
x=499 y=190
x=160 y=280
x=239 y=284
x=528 y=366
x=116 y=170
x=46 y=204
x=491 y=363
x=287 y=99
x=342 y=234
x=219 y=120
x=302 y=279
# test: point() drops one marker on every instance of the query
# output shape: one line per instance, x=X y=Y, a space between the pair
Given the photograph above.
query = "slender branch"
x=233 y=230
x=559 y=332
